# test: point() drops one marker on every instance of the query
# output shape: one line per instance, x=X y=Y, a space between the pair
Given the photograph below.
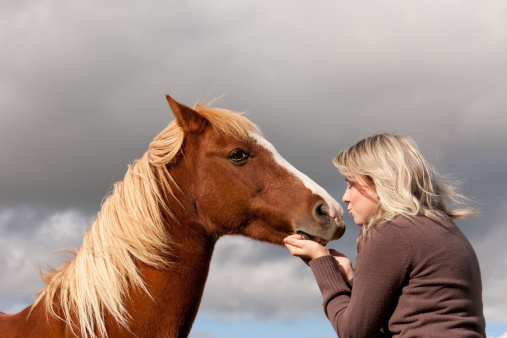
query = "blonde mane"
x=129 y=228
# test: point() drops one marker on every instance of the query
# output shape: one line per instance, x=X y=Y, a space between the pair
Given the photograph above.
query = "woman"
x=416 y=273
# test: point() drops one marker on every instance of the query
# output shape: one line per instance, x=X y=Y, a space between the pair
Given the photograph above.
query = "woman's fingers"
x=293 y=238
x=302 y=248
x=344 y=264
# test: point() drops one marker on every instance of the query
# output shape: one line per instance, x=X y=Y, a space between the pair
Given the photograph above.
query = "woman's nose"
x=345 y=197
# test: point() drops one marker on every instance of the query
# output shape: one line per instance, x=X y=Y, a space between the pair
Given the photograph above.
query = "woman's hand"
x=306 y=250
x=344 y=265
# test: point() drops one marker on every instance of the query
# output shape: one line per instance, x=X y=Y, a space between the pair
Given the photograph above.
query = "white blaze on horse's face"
x=335 y=209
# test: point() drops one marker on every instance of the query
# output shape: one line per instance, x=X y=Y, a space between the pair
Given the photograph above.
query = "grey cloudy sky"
x=82 y=88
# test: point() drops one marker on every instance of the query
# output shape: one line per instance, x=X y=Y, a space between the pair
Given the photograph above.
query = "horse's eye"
x=238 y=155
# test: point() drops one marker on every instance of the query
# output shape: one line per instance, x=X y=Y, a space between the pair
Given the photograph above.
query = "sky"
x=82 y=93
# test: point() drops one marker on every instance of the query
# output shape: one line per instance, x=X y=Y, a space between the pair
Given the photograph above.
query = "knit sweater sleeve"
x=381 y=268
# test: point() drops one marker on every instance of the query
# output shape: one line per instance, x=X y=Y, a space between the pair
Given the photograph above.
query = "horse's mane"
x=130 y=227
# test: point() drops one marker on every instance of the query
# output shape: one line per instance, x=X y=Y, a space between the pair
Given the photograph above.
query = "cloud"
x=28 y=237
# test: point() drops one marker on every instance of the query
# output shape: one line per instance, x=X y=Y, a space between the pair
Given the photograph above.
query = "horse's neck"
x=176 y=292
x=171 y=306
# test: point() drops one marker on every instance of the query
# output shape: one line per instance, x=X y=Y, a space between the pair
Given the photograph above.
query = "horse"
x=143 y=263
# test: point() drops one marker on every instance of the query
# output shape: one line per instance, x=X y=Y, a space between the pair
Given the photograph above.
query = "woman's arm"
x=381 y=269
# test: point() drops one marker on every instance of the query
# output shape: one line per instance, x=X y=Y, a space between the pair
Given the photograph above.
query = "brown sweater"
x=413 y=278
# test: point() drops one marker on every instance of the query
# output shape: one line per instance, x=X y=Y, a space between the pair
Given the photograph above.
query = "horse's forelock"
x=166 y=145
x=228 y=122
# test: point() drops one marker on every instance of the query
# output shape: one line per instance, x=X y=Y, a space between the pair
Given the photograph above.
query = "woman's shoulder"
x=417 y=232
x=395 y=226
x=400 y=240
x=408 y=230
x=390 y=242
x=413 y=222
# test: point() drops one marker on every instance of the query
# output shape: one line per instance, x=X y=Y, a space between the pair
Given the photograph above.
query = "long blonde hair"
x=405 y=182
x=130 y=227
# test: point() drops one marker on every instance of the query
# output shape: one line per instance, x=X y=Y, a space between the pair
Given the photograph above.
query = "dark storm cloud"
x=82 y=90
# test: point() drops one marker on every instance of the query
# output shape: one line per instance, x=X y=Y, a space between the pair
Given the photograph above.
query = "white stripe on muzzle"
x=335 y=209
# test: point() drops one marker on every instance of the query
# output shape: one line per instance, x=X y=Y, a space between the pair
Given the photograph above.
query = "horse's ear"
x=188 y=119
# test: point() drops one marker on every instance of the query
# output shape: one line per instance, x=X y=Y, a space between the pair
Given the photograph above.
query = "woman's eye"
x=238 y=155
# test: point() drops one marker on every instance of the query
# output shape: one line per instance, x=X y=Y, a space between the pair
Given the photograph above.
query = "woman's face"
x=362 y=198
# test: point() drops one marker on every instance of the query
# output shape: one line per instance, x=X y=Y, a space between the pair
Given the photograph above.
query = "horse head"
x=235 y=182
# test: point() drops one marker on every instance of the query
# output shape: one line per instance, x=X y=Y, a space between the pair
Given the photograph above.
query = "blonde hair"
x=130 y=227
x=405 y=182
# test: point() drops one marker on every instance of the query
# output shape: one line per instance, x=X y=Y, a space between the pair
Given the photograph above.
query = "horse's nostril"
x=321 y=212
x=324 y=210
